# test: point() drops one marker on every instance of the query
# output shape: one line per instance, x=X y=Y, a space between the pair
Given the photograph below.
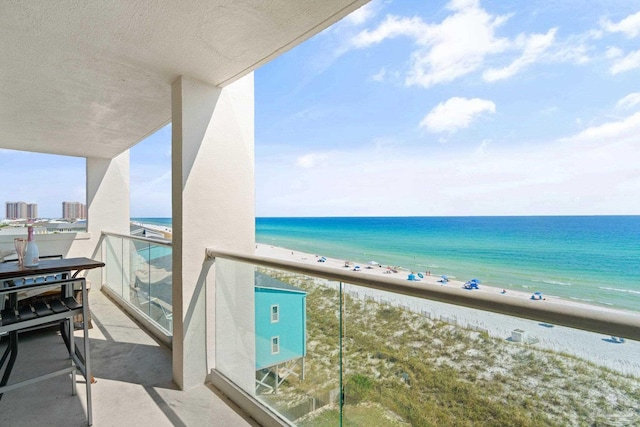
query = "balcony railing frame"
x=162 y=242
x=593 y=319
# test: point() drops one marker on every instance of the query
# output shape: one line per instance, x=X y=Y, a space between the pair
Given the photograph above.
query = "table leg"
x=87 y=354
x=69 y=325
x=12 y=349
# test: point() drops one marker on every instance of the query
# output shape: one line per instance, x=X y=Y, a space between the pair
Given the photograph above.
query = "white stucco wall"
x=108 y=187
x=212 y=206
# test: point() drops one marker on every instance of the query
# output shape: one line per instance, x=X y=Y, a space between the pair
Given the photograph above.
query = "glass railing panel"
x=140 y=272
x=160 y=285
x=150 y=281
x=410 y=361
x=139 y=283
x=113 y=270
x=290 y=361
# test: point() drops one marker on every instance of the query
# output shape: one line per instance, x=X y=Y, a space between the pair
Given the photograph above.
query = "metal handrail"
x=141 y=239
x=605 y=321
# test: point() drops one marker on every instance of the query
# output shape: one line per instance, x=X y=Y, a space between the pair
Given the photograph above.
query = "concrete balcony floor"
x=133 y=387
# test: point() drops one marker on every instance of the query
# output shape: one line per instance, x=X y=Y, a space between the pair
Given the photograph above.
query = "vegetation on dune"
x=402 y=368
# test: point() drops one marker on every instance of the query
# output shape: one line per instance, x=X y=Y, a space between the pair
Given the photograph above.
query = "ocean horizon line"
x=427 y=216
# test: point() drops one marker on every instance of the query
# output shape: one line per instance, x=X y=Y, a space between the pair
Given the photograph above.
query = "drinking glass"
x=21 y=247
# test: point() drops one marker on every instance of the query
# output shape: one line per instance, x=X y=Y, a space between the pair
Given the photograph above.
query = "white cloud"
x=533 y=47
x=610 y=132
x=311 y=113
x=456 y=113
x=363 y=14
x=575 y=49
x=544 y=179
x=379 y=76
x=482 y=148
x=460 y=43
x=457 y=46
x=630 y=25
x=629 y=62
x=334 y=41
x=391 y=27
x=446 y=51
x=613 y=52
x=312 y=160
x=629 y=101
x=384 y=143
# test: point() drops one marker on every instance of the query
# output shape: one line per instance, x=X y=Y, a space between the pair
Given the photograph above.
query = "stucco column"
x=108 y=189
x=213 y=206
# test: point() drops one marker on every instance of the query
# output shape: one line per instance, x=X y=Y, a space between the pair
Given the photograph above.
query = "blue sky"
x=428 y=108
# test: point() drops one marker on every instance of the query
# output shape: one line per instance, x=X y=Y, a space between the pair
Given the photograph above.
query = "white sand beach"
x=602 y=350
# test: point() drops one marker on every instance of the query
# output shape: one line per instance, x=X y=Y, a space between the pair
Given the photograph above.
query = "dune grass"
x=411 y=370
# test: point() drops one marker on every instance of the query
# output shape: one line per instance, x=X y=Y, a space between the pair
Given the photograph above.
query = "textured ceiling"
x=92 y=78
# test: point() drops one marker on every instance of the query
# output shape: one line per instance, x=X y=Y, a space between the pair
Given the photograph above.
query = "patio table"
x=49 y=274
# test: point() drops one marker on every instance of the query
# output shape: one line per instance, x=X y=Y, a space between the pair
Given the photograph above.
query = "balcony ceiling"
x=92 y=78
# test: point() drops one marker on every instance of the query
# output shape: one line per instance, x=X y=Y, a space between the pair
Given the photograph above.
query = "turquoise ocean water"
x=594 y=259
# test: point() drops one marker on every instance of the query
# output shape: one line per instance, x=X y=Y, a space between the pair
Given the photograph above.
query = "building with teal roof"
x=280 y=316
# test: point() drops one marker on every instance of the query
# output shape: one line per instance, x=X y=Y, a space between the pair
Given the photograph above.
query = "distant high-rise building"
x=21 y=210
x=32 y=210
x=74 y=210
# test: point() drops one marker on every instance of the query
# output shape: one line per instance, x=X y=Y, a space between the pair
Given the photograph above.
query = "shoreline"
x=596 y=348
x=593 y=347
x=402 y=274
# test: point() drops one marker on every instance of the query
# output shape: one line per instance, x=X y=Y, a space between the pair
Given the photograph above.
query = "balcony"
x=133 y=374
x=88 y=83
x=91 y=84
x=409 y=354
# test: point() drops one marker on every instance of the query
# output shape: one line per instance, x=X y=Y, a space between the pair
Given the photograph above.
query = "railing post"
x=341 y=396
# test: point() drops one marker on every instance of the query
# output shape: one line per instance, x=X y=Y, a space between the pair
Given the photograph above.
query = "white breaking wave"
x=554 y=282
x=581 y=299
x=626 y=291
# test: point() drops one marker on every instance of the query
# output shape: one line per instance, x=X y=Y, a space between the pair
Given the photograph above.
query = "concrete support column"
x=213 y=206
x=107 y=205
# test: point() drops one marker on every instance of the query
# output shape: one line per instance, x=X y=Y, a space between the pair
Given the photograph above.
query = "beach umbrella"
x=476 y=281
x=373 y=263
x=444 y=277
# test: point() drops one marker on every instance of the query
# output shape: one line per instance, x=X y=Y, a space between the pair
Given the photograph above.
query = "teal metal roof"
x=264 y=281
